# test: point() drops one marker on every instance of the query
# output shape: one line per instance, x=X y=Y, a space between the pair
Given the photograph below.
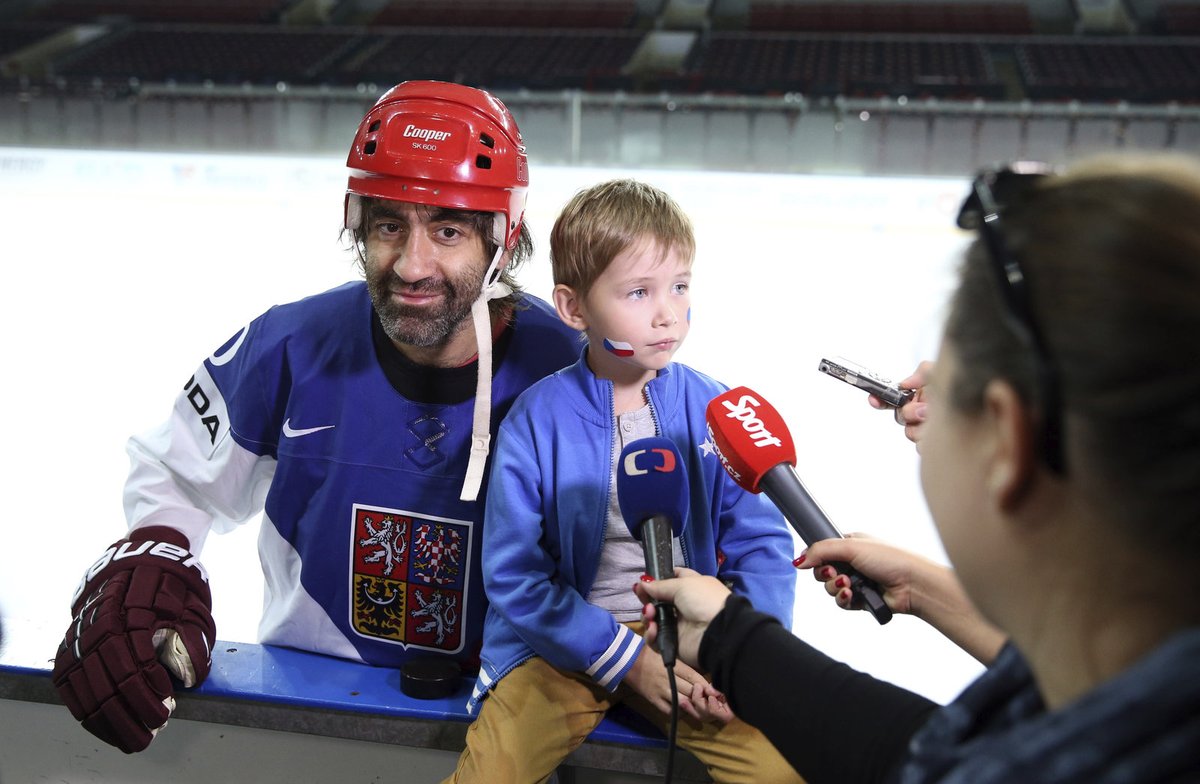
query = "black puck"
x=429 y=679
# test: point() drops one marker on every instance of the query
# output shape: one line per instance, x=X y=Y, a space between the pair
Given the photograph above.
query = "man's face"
x=424 y=268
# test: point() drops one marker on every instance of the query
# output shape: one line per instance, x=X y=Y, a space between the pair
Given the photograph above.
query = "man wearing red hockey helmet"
x=357 y=420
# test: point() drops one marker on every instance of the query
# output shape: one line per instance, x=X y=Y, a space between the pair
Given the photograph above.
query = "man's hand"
x=143 y=610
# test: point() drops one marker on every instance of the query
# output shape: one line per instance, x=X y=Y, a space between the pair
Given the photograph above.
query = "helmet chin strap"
x=481 y=432
x=493 y=288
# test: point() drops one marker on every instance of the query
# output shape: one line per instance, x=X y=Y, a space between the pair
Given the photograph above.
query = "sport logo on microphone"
x=746 y=412
x=665 y=463
x=749 y=434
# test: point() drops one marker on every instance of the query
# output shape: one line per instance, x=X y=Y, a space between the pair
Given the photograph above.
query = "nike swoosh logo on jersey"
x=290 y=433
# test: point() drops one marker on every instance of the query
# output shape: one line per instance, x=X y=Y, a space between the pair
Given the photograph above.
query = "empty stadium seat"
x=200 y=11
x=592 y=14
x=765 y=63
x=999 y=18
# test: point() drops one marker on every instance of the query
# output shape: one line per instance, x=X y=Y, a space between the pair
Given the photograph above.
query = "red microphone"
x=756 y=449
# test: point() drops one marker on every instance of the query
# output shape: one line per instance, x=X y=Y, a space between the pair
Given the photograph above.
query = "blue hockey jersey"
x=367 y=551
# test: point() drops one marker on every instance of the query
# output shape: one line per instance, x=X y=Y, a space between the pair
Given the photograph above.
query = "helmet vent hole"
x=369 y=148
x=374 y=127
x=487 y=141
x=483 y=162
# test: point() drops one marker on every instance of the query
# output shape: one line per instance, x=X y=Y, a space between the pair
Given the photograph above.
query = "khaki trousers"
x=538 y=714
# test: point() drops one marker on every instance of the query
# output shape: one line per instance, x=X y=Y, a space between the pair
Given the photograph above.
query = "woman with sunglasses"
x=1061 y=463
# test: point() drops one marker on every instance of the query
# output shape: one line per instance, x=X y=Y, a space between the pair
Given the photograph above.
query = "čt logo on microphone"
x=662 y=460
x=746 y=412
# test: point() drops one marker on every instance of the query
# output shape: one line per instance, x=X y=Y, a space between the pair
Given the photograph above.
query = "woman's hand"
x=697 y=600
x=911 y=584
x=912 y=414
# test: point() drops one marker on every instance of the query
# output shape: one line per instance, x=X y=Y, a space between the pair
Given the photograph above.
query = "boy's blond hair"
x=603 y=221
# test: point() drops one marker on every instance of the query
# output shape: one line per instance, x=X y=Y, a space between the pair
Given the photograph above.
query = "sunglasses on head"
x=992 y=191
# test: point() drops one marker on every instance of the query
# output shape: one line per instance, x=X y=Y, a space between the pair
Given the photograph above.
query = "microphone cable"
x=673 y=726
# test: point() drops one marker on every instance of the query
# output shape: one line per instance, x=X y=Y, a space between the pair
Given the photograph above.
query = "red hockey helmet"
x=441 y=144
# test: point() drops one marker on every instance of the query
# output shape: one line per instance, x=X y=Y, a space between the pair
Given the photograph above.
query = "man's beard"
x=429 y=325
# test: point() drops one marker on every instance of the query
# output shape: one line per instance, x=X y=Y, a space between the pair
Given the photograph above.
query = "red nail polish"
x=842 y=581
x=646 y=578
x=798 y=561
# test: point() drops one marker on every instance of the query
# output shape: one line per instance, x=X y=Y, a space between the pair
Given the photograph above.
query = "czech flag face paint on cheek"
x=618 y=348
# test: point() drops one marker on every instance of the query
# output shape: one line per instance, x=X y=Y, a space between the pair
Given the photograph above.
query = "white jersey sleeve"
x=190 y=474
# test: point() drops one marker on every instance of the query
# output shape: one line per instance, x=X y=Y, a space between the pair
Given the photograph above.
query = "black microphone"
x=652 y=495
x=757 y=451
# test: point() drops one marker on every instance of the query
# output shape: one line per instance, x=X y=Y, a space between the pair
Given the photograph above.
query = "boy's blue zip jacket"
x=546 y=512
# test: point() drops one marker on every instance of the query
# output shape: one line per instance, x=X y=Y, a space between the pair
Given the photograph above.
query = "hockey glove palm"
x=143 y=609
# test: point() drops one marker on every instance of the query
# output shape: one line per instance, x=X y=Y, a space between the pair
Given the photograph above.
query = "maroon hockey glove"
x=142 y=610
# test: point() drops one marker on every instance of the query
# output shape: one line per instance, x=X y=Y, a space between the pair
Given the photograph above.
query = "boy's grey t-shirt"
x=622 y=559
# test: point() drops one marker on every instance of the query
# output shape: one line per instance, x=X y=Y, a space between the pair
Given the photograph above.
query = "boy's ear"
x=570 y=307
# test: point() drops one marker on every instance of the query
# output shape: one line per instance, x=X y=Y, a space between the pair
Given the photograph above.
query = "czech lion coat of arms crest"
x=409 y=578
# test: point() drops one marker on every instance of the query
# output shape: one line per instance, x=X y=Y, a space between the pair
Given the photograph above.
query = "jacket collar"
x=594 y=400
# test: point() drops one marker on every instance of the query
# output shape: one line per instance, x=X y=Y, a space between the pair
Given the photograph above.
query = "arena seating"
x=1002 y=18
x=952 y=50
x=1178 y=19
x=190 y=54
x=200 y=11
x=1109 y=70
x=759 y=63
x=17 y=36
x=530 y=58
x=594 y=14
